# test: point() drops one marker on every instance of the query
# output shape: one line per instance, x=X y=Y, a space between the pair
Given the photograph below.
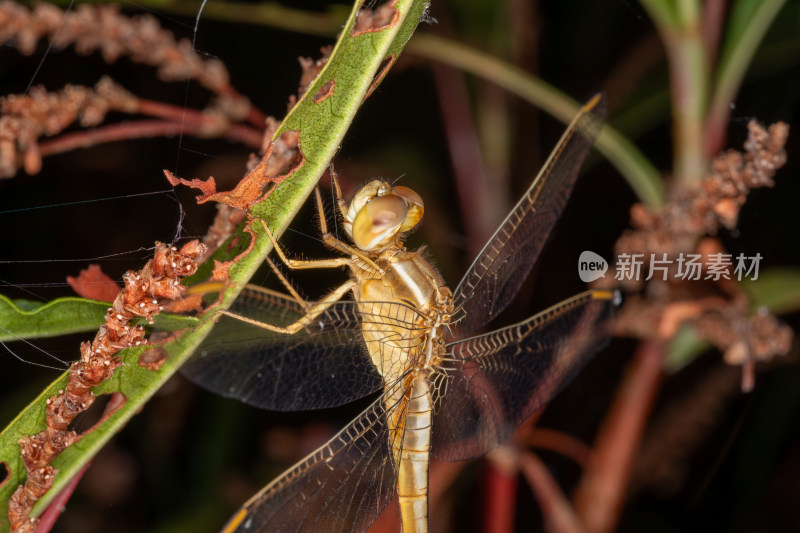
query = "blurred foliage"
x=189 y=458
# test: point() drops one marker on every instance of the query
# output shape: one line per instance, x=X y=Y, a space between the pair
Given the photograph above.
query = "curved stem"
x=601 y=492
x=740 y=47
x=686 y=53
x=713 y=19
x=643 y=178
x=558 y=514
x=500 y=485
x=138 y=130
x=556 y=441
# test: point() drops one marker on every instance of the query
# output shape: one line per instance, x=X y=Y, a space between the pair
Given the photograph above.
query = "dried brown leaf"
x=94 y=284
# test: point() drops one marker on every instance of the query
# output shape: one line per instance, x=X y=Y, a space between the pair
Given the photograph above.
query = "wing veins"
x=491 y=283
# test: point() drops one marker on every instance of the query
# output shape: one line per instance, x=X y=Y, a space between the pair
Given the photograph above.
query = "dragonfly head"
x=379 y=213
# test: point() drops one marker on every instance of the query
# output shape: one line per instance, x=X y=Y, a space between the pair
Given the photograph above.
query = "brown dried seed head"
x=96 y=365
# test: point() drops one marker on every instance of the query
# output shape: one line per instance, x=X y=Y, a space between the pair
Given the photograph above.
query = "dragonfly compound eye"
x=414 y=204
x=379 y=219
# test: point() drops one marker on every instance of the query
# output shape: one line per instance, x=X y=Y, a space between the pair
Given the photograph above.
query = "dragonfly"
x=445 y=389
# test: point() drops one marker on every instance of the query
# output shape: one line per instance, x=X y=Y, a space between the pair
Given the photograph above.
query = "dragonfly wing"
x=343 y=486
x=490 y=384
x=505 y=261
x=323 y=365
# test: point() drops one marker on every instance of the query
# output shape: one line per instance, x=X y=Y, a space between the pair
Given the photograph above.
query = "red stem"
x=559 y=517
x=255 y=116
x=716 y=126
x=716 y=130
x=601 y=492
x=550 y=439
x=48 y=518
x=184 y=116
x=464 y=148
x=142 y=129
x=712 y=19
x=465 y=156
x=502 y=469
x=166 y=111
x=501 y=490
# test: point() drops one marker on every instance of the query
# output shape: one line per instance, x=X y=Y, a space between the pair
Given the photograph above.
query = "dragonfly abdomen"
x=411 y=444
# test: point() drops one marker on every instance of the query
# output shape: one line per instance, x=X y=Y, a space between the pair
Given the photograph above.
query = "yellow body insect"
x=444 y=389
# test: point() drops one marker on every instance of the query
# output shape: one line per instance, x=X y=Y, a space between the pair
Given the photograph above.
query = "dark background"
x=190 y=458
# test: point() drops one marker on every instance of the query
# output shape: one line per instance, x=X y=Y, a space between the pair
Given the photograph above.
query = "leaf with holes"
x=23 y=319
x=360 y=59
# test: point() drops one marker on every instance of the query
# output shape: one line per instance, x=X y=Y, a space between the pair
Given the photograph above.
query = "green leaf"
x=748 y=23
x=637 y=170
x=353 y=66
x=23 y=319
x=778 y=290
x=684 y=348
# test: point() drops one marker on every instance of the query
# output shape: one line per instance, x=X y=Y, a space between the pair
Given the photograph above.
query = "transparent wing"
x=324 y=365
x=491 y=383
x=343 y=486
x=505 y=261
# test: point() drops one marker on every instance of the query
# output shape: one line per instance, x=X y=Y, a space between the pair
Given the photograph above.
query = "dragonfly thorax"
x=446 y=389
x=380 y=214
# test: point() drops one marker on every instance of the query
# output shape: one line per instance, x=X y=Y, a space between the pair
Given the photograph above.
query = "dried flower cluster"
x=715 y=203
x=756 y=338
x=91 y=28
x=717 y=310
x=25 y=118
x=144 y=295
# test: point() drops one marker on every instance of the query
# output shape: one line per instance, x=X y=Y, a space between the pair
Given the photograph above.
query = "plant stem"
x=556 y=441
x=500 y=482
x=601 y=492
x=558 y=514
x=138 y=130
x=643 y=178
x=686 y=54
x=465 y=156
x=713 y=19
x=740 y=47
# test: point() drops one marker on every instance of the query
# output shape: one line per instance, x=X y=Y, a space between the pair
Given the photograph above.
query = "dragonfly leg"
x=337 y=189
x=296 y=295
x=314 y=310
x=343 y=247
x=332 y=241
x=297 y=264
